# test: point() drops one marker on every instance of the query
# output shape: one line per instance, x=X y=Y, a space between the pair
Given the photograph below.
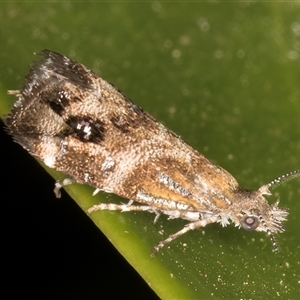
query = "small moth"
x=77 y=123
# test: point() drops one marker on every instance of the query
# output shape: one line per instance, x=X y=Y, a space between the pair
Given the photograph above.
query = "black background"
x=51 y=249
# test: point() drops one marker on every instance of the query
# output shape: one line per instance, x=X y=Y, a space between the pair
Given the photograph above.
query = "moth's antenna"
x=283 y=178
x=269 y=233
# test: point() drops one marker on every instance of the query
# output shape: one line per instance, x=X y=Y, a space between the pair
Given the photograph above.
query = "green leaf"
x=224 y=76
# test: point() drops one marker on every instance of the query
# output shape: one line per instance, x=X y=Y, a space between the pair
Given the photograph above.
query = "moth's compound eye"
x=249 y=222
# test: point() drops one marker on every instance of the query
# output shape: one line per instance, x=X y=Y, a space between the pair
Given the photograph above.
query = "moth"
x=77 y=123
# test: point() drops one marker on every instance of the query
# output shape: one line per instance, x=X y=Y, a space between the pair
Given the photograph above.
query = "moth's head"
x=255 y=213
x=262 y=216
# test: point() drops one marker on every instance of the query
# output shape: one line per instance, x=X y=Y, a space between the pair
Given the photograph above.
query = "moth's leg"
x=96 y=191
x=61 y=184
x=122 y=207
x=156 y=217
x=126 y=207
x=130 y=202
x=186 y=228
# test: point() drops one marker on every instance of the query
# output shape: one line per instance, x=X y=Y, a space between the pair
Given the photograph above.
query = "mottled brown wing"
x=81 y=125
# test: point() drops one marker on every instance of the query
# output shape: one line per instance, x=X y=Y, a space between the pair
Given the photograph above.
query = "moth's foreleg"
x=186 y=228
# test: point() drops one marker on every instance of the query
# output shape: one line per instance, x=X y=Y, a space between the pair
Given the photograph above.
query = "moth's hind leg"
x=67 y=181
x=122 y=207
x=60 y=184
x=126 y=207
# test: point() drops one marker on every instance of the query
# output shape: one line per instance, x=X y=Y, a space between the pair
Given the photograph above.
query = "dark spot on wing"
x=58 y=99
x=87 y=129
